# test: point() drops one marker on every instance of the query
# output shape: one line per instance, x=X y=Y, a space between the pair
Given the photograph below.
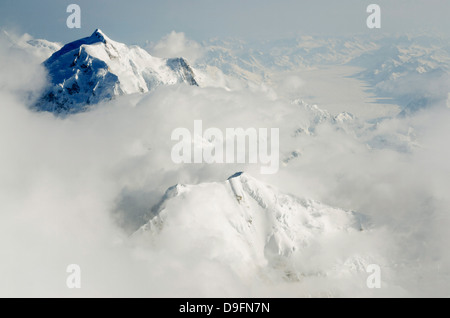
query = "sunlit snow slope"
x=97 y=68
x=248 y=224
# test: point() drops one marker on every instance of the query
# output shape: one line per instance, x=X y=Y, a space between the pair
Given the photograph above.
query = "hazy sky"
x=135 y=21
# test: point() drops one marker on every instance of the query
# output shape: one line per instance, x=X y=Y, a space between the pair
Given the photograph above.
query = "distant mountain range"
x=414 y=71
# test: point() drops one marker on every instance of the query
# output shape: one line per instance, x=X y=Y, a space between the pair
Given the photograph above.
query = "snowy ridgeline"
x=414 y=71
x=253 y=226
x=96 y=68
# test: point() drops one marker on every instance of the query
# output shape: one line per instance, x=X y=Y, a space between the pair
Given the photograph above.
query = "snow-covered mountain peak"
x=96 y=68
x=98 y=34
x=249 y=224
x=97 y=37
x=236 y=175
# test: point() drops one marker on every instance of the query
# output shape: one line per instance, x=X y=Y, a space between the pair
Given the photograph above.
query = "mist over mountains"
x=96 y=68
x=96 y=185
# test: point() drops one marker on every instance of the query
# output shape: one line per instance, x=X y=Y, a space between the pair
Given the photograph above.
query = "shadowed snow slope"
x=249 y=225
x=96 y=68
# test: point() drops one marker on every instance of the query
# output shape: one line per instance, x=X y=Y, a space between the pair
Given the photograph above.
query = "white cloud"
x=176 y=44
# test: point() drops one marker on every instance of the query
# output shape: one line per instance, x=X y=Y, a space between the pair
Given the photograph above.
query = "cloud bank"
x=176 y=44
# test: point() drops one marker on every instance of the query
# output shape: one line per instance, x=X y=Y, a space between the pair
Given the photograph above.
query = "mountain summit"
x=96 y=68
x=252 y=226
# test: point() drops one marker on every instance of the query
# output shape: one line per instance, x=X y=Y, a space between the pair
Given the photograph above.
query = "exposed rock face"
x=96 y=68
